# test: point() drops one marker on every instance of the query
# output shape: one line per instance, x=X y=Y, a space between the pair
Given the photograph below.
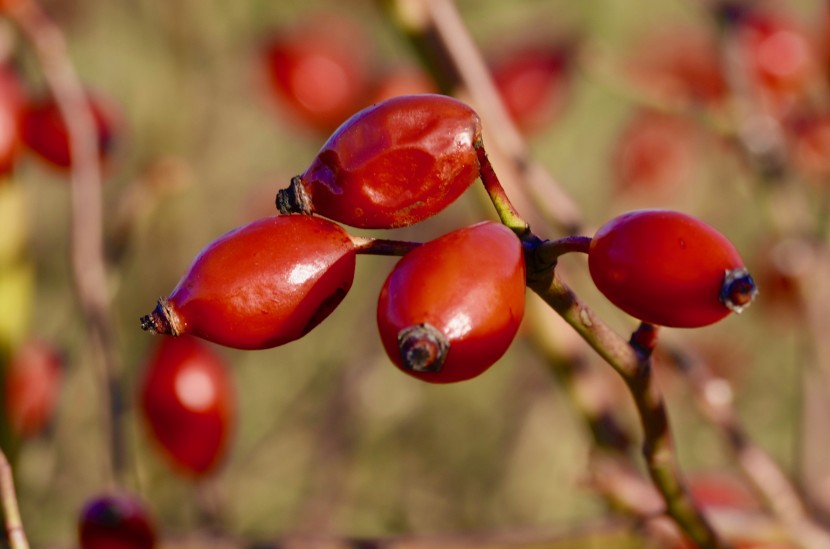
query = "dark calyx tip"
x=158 y=322
x=294 y=198
x=423 y=348
x=738 y=289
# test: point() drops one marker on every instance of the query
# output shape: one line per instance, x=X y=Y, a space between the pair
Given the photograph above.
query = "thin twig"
x=714 y=399
x=11 y=513
x=87 y=257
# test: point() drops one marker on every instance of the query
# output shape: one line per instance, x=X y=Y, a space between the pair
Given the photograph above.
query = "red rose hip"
x=32 y=387
x=261 y=285
x=188 y=402
x=392 y=164
x=115 y=521
x=44 y=132
x=668 y=268
x=319 y=70
x=451 y=307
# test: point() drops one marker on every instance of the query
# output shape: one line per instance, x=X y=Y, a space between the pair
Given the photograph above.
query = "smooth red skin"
x=662 y=267
x=533 y=83
x=654 y=151
x=266 y=283
x=32 y=387
x=43 y=130
x=470 y=285
x=319 y=71
x=396 y=163
x=115 y=521
x=12 y=99
x=193 y=435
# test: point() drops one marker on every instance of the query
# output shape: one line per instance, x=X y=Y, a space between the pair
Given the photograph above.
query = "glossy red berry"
x=668 y=268
x=32 y=387
x=451 y=307
x=319 y=71
x=392 y=164
x=44 y=132
x=534 y=82
x=115 y=521
x=261 y=285
x=189 y=404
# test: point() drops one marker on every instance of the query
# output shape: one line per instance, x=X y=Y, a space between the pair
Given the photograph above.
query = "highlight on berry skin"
x=261 y=285
x=391 y=165
x=669 y=269
x=447 y=312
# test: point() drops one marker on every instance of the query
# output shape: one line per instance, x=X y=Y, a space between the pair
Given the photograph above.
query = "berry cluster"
x=451 y=307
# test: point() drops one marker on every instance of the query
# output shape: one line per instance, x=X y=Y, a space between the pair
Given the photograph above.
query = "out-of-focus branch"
x=439 y=34
x=11 y=514
x=714 y=398
x=87 y=257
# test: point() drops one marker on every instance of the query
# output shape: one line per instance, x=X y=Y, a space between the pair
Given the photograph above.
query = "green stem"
x=505 y=209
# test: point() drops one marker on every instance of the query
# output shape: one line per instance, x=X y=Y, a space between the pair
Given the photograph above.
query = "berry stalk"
x=508 y=214
x=87 y=249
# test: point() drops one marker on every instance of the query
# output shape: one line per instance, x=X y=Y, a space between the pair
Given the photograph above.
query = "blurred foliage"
x=332 y=439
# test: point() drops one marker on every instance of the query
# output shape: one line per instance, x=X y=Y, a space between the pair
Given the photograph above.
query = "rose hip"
x=261 y=285
x=392 y=164
x=319 y=70
x=668 y=268
x=188 y=401
x=115 y=521
x=44 y=132
x=452 y=306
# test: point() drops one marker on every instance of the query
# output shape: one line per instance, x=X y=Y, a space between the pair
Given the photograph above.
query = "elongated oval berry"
x=451 y=307
x=189 y=404
x=669 y=268
x=115 y=521
x=261 y=285
x=392 y=164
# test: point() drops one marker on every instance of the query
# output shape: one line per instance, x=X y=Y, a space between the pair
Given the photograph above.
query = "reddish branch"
x=15 y=534
x=87 y=258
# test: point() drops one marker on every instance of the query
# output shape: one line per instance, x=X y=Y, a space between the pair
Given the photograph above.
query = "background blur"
x=332 y=439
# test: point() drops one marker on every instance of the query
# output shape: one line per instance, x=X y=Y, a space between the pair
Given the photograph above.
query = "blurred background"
x=330 y=439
